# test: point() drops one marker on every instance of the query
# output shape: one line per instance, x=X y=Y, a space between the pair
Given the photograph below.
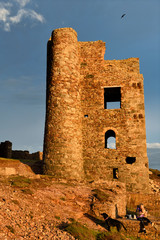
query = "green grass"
x=19 y=181
x=27 y=191
x=80 y=232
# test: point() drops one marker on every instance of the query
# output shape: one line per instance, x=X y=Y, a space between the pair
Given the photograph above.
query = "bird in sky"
x=123 y=15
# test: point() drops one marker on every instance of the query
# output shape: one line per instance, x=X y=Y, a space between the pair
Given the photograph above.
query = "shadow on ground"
x=95 y=220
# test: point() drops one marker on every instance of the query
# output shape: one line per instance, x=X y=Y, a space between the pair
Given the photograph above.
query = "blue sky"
x=26 y=26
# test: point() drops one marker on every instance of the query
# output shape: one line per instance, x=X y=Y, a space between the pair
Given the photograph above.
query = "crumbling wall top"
x=129 y=64
x=92 y=50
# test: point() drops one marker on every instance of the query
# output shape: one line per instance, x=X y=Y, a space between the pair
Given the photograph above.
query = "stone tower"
x=95 y=118
x=63 y=132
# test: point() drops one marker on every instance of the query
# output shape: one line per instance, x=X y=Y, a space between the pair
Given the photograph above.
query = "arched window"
x=110 y=139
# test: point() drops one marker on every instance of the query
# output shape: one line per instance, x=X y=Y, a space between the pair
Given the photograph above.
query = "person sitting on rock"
x=141 y=213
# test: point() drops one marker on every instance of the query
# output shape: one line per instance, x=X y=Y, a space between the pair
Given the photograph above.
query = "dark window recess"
x=86 y=116
x=140 y=115
x=112 y=98
x=115 y=173
x=130 y=160
x=110 y=139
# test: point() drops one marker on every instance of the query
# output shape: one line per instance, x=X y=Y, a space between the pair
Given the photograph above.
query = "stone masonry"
x=7 y=152
x=6 y=149
x=89 y=102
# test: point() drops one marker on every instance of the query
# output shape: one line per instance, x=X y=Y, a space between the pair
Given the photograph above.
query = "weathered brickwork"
x=79 y=125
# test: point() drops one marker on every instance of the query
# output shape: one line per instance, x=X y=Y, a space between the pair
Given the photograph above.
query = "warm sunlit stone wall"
x=63 y=132
x=77 y=121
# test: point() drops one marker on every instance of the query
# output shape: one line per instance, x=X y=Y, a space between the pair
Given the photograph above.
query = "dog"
x=110 y=222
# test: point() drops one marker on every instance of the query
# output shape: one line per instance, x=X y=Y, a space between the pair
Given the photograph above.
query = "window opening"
x=110 y=139
x=115 y=173
x=86 y=116
x=111 y=143
x=130 y=160
x=112 y=98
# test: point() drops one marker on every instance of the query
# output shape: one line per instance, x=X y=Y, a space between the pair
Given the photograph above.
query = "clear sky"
x=26 y=26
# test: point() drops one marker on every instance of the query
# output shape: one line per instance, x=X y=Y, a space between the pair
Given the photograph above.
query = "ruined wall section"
x=19 y=154
x=7 y=152
x=6 y=149
x=136 y=174
x=77 y=120
x=63 y=131
x=128 y=122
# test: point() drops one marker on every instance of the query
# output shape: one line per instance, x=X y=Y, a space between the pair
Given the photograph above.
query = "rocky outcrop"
x=14 y=167
x=109 y=197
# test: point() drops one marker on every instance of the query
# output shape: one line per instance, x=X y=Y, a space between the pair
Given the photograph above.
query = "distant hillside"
x=154 y=157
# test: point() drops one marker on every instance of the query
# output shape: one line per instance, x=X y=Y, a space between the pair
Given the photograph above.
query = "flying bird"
x=123 y=15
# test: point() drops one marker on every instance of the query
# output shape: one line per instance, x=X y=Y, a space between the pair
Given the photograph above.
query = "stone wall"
x=151 y=202
x=18 y=154
x=79 y=124
x=7 y=152
x=6 y=149
x=63 y=132
x=109 y=197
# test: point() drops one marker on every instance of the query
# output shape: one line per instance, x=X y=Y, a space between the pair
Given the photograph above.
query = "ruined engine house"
x=95 y=118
